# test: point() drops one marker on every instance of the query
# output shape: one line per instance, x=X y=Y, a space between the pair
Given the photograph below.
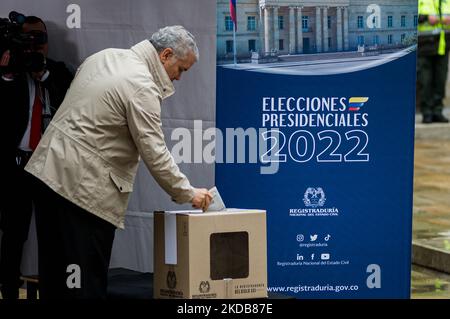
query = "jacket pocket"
x=122 y=185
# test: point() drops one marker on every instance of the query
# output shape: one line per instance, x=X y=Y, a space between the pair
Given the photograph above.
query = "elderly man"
x=86 y=161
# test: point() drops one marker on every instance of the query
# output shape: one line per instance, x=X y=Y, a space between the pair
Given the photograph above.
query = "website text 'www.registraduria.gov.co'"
x=316 y=288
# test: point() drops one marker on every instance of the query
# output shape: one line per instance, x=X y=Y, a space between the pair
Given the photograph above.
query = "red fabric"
x=233 y=13
x=36 y=120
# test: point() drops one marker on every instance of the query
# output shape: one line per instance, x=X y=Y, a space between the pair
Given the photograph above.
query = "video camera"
x=22 y=46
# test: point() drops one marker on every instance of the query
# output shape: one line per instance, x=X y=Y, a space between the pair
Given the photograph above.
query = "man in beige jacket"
x=86 y=161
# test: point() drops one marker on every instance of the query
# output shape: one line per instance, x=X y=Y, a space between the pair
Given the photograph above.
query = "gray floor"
x=431 y=213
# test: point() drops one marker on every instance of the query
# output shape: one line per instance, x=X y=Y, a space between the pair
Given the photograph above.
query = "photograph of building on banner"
x=296 y=36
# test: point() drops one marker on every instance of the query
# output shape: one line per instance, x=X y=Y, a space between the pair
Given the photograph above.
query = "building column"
x=291 y=30
x=267 y=23
x=345 y=28
x=339 y=28
x=325 y=29
x=318 y=30
x=276 y=31
x=261 y=46
x=299 y=30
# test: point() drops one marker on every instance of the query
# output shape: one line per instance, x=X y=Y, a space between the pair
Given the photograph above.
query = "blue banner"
x=333 y=168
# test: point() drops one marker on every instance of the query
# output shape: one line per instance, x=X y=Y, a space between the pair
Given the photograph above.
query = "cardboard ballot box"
x=210 y=255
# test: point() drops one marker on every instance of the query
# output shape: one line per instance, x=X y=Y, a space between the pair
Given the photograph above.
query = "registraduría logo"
x=171 y=279
x=314 y=199
x=204 y=287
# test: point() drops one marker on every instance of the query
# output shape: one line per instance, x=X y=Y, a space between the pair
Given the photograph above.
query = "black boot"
x=439 y=118
x=427 y=119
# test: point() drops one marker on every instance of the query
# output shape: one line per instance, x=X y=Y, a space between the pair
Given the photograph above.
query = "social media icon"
x=325 y=256
x=312 y=256
x=327 y=237
x=300 y=237
x=313 y=237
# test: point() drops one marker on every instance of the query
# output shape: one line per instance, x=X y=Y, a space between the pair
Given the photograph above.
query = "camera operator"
x=28 y=99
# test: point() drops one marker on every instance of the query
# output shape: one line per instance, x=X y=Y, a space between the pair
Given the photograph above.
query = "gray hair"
x=177 y=38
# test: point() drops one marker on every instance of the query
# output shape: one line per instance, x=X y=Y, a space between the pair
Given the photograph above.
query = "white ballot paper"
x=216 y=202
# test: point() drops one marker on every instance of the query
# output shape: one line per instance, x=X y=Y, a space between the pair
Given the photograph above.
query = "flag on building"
x=233 y=13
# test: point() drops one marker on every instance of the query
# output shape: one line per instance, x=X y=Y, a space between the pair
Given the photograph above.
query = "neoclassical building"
x=313 y=26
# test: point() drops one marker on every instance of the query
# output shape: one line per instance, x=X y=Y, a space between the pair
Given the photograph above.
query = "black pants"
x=70 y=238
x=432 y=78
x=16 y=205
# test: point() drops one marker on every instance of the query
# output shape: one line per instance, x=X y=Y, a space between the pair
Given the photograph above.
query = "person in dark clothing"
x=28 y=101
x=432 y=58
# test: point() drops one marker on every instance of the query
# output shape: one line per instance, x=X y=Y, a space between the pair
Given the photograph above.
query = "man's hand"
x=4 y=62
x=202 y=198
x=433 y=19
x=5 y=58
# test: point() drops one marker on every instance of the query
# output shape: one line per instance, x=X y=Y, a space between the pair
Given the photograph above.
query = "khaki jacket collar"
x=146 y=52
